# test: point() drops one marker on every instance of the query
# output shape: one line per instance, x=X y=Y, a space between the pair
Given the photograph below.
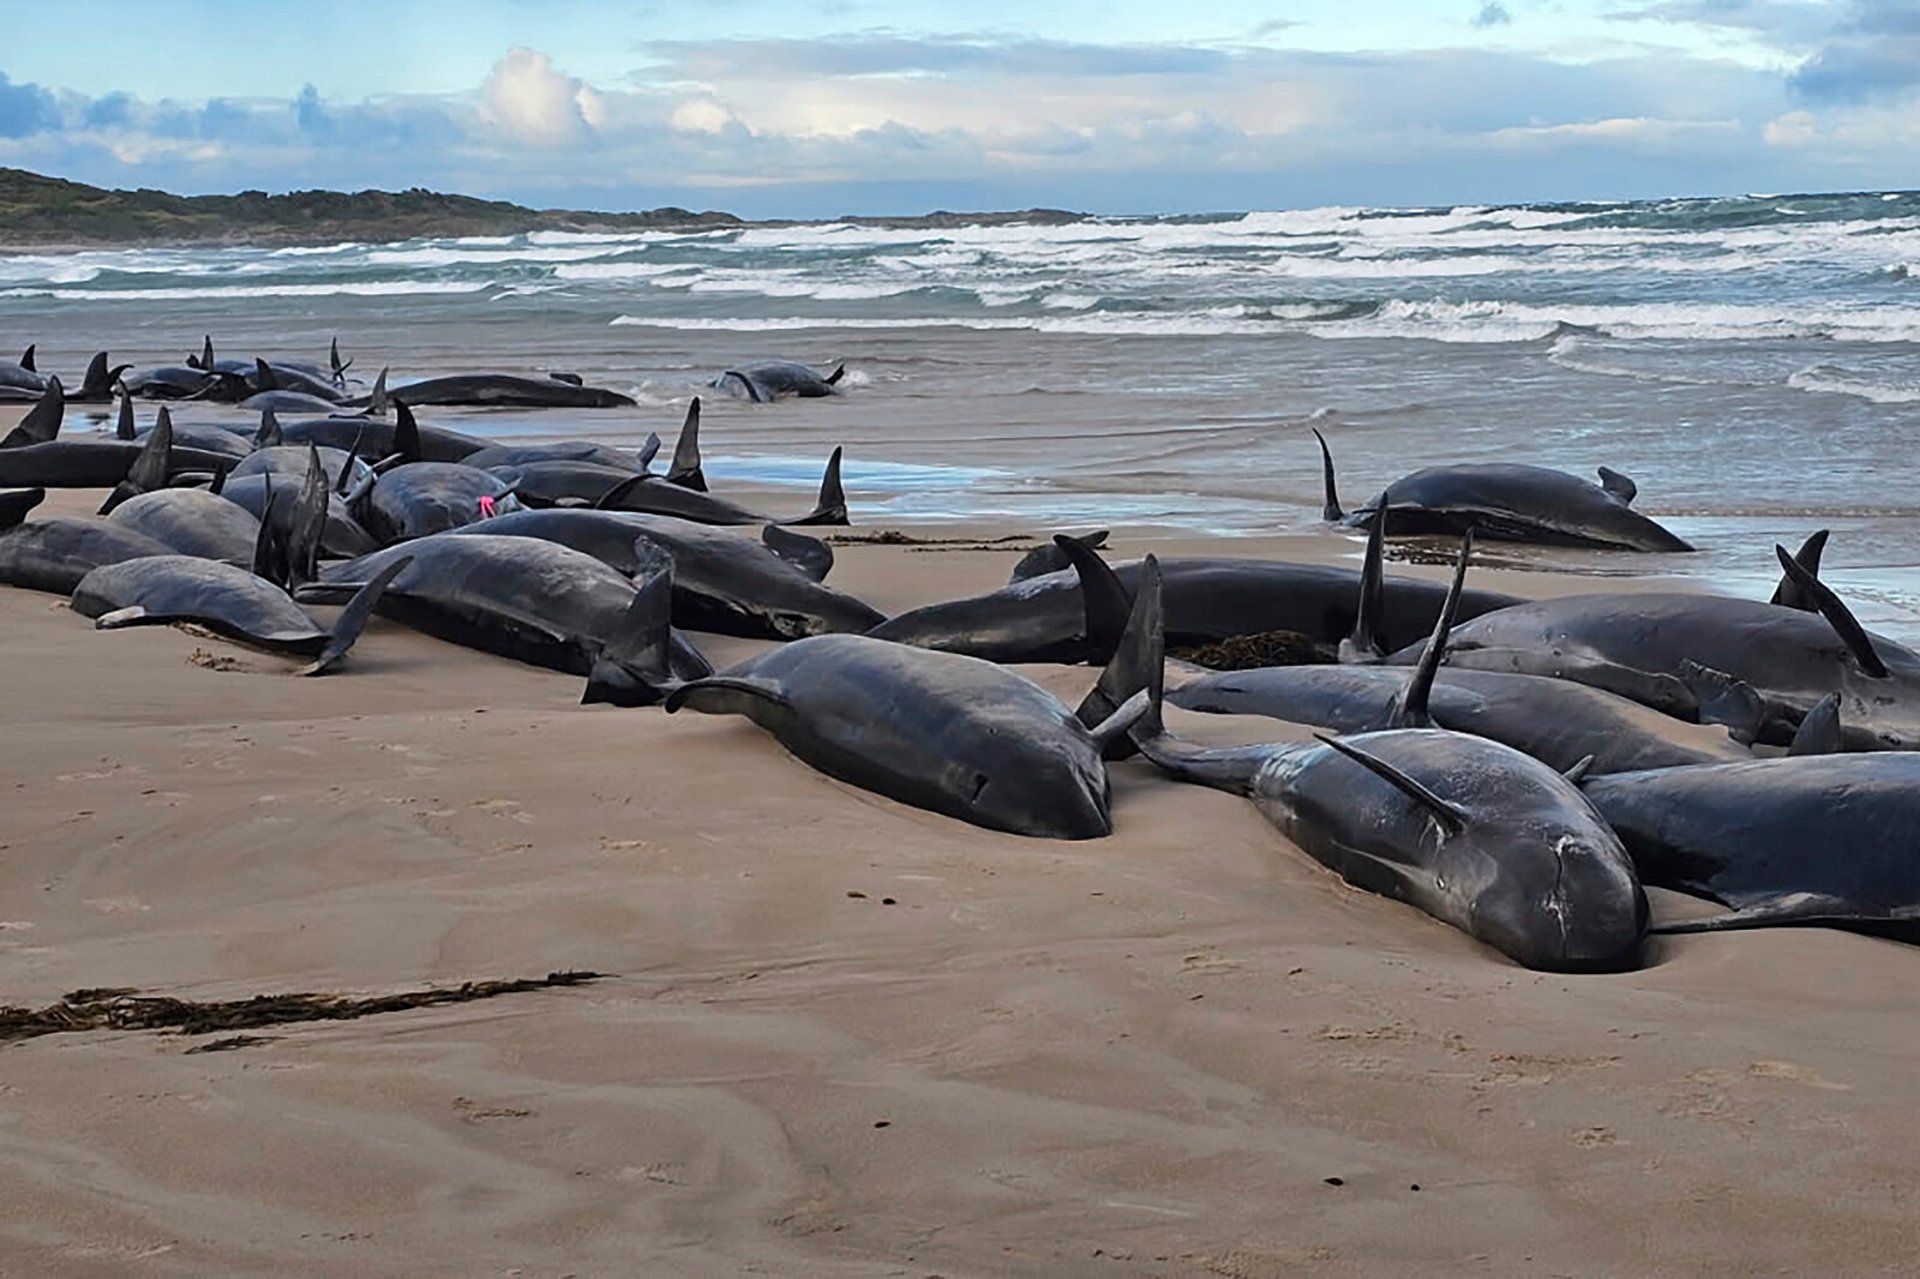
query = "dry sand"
x=841 y=1036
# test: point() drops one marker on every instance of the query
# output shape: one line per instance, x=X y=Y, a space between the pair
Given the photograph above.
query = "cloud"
x=1874 y=54
x=883 y=121
x=24 y=108
x=530 y=101
x=1493 y=14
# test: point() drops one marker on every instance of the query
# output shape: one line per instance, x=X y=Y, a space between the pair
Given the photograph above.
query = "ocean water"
x=1753 y=363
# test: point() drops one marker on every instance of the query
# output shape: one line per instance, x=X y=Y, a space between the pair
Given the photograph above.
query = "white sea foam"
x=1830 y=381
x=379 y=288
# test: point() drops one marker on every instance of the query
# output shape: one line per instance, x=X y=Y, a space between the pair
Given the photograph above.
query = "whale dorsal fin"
x=1410 y=707
x=406 y=433
x=1366 y=645
x=1331 y=512
x=1618 y=485
x=14 y=506
x=152 y=465
x=1103 y=595
x=649 y=450
x=123 y=425
x=218 y=484
x=831 y=506
x=1578 y=773
x=206 y=352
x=269 y=433
x=378 y=400
x=1829 y=606
x=636 y=666
x=685 y=468
x=41 y=424
x=1819 y=732
x=1448 y=814
x=309 y=523
x=26 y=358
x=1807 y=557
x=263 y=378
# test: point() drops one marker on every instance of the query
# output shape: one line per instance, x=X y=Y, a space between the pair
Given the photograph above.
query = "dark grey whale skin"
x=1828 y=839
x=1790 y=659
x=722 y=582
x=192 y=522
x=1514 y=503
x=950 y=734
x=1555 y=721
x=54 y=554
x=1042 y=619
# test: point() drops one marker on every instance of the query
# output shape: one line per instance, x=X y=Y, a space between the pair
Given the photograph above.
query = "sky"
x=812 y=108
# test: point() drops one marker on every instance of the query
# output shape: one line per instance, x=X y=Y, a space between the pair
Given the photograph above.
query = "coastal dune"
x=836 y=1035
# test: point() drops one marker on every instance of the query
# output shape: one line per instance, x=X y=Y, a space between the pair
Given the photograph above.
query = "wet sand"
x=838 y=1035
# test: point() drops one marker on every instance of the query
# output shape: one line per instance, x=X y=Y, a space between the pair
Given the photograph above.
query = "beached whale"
x=951 y=734
x=1756 y=667
x=19 y=379
x=53 y=554
x=520 y=597
x=1509 y=502
x=1818 y=839
x=1043 y=619
x=509 y=389
x=232 y=601
x=1474 y=833
x=765 y=383
x=192 y=522
x=722 y=582
x=655 y=495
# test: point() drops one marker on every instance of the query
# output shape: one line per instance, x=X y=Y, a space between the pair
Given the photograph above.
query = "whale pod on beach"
x=765 y=383
x=722 y=582
x=1756 y=667
x=375 y=438
x=202 y=436
x=1509 y=502
x=520 y=597
x=19 y=379
x=939 y=731
x=232 y=601
x=1043 y=619
x=1816 y=839
x=53 y=554
x=510 y=390
x=341 y=535
x=421 y=498
x=1474 y=833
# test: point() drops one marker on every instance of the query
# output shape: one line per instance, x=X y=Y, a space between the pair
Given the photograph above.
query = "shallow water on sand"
x=1753 y=365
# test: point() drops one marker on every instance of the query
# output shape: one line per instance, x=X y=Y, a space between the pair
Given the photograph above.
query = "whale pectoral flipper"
x=727 y=695
x=649 y=450
x=1449 y=815
x=808 y=554
x=1365 y=645
x=353 y=618
x=1807 y=557
x=833 y=378
x=14 y=506
x=1838 y=616
x=132 y=615
x=1409 y=709
x=1788 y=910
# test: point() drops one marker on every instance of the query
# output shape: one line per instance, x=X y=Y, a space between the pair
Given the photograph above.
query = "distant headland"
x=37 y=211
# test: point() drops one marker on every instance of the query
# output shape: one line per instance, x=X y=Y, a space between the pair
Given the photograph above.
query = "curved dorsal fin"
x=206 y=352
x=1828 y=605
x=1787 y=595
x=263 y=378
x=26 y=358
x=1103 y=595
x=1819 y=732
x=1581 y=767
x=685 y=468
x=14 y=506
x=1618 y=485
x=1139 y=653
x=269 y=433
x=41 y=424
x=1331 y=512
x=1366 y=644
x=123 y=426
x=649 y=451
x=97 y=382
x=831 y=506
x=635 y=668
x=406 y=433
x=1448 y=814
x=1410 y=708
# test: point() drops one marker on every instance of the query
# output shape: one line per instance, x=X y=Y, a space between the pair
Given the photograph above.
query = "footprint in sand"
x=1594 y=1138
x=1794 y=1074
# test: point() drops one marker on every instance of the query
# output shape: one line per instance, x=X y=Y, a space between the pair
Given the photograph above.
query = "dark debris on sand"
x=117 y=1008
x=1250 y=652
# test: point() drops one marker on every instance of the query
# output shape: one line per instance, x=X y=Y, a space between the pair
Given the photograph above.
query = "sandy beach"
x=837 y=1035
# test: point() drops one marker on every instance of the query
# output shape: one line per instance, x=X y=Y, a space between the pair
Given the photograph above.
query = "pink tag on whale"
x=486 y=507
